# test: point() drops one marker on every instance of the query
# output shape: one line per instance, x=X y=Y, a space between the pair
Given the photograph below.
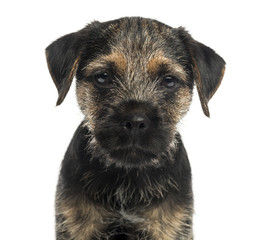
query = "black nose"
x=136 y=122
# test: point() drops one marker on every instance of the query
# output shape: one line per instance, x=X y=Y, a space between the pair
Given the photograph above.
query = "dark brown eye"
x=103 y=79
x=169 y=82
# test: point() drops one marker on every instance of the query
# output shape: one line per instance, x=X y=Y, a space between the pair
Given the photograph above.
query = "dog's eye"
x=103 y=79
x=169 y=82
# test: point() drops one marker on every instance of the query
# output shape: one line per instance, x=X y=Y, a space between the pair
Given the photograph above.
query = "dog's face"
x=135 y=79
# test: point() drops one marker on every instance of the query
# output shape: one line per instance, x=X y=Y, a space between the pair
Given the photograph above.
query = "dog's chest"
x=147 y=223
x=132 y=218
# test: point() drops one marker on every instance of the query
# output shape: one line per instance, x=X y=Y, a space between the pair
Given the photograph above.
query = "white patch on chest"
x=130 y=217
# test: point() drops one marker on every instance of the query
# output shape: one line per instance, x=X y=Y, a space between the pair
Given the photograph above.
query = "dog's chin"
x=132 y=157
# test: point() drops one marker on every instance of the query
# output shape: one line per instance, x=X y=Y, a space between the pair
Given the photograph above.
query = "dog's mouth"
x=130 y=150
x=133 y=156
x=121 y=150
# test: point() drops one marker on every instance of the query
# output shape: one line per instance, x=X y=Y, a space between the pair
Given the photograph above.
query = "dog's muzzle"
x=133 y=132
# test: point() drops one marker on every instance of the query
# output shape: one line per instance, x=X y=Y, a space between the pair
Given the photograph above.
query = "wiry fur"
x=113 y=185
x=97 y=200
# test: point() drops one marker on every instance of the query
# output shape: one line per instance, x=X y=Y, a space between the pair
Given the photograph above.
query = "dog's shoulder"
x=75 y=156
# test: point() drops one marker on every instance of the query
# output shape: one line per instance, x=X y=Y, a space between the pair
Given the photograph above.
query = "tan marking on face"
x=176 y=107
x=138 y=72
x=184 y=99
x=86 y=97
x=119 y=60
x=116 y=57
x=158 y=59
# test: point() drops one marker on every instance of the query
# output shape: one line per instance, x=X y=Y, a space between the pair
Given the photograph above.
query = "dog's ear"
x=63 y=58
x=208 y=69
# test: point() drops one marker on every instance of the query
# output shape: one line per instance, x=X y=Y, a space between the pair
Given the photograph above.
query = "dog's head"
x=135 y=78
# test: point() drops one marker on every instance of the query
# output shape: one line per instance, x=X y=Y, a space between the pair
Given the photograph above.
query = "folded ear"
x=62 y=58
x=208 y=68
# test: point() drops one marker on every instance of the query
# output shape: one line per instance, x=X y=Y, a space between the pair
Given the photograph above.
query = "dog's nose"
x=137 y=122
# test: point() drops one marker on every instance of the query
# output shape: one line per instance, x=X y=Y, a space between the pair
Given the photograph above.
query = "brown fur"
x=85 y=220
x=72 y=211
x=135 y=70
x=120 y=180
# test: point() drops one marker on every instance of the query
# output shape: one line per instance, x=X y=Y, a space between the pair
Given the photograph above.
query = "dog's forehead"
x=136 y=26
x=135 y=42
x=139 y=35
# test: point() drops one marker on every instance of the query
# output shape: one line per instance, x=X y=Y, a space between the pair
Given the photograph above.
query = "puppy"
x=126 y=174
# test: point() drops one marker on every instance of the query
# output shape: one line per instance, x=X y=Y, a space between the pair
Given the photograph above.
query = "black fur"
x=95 y=40
x=114 y=180
x=80 y=162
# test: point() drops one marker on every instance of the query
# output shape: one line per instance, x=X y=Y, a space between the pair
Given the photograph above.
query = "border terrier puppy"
x=126 y=174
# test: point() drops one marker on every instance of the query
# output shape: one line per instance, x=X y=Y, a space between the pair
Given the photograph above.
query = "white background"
x=227 y=152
